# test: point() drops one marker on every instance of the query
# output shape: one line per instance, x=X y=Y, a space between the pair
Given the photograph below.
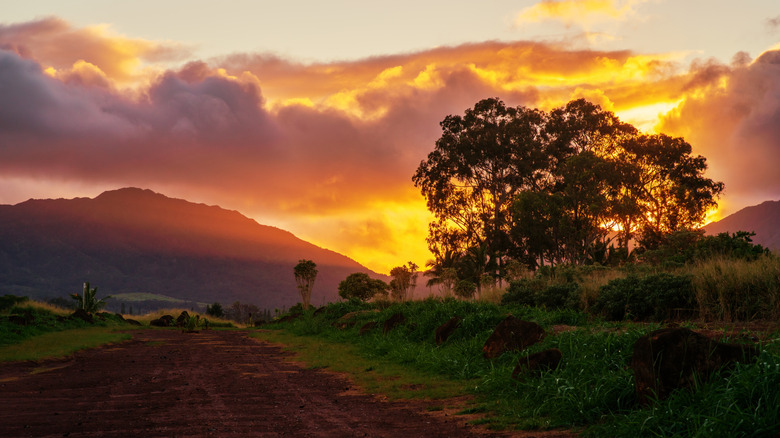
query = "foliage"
x=361 y=287
x=305 y=274
x=687 y=246
x=651 y=297
x=215 y=310
x=523 y=292
x=592 y=389
x=729 y=289
x=548 y=188
x=7 y=301
x=88 y=299
x=465 y=289
x=480 y=162
x=30 y=319
x=404 y=281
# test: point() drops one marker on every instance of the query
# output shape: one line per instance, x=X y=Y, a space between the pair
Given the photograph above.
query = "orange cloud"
x=326 y=150
x=54 y=43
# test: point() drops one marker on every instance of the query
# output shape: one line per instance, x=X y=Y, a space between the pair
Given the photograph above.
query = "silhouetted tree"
x=215 y=310
x=362 y=287
x=404 y=281
x=305 y=274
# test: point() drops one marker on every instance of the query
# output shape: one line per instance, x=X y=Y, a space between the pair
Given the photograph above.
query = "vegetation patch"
x=60 y=343
x=591 y=390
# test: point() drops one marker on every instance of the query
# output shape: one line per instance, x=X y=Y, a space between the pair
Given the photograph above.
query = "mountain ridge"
x=763 y=219
x=135 y=240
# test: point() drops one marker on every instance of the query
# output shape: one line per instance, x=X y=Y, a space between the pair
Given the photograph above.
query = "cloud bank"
x=328 y=150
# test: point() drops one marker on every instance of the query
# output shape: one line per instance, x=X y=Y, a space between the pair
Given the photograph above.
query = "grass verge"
x=374 y=375
x=60 y=343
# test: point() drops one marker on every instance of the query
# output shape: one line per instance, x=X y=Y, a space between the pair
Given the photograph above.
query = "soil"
x=211 y=383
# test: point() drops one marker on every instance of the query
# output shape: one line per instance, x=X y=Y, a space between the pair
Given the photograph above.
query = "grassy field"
x=591 y=392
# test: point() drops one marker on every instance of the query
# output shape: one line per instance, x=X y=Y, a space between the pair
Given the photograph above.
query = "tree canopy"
x=575 y=185
x=362 y=287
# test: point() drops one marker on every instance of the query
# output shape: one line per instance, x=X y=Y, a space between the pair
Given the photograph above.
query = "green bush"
x=656 y=297
x=523 y=292
x=559 y=296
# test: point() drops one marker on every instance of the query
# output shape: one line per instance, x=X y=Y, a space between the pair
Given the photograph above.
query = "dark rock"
x=367 y=327
x=393 y=322
x=512 y=334
x=182 y=319
x=132 y=321
x=348 y=320
x=672 y=358
x=163 y=321
x=289 y=317
x=119 y=316
x=445 y=330
x=536 y=363
x=82 y=315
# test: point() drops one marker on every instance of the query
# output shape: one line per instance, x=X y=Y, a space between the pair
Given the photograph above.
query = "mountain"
x=763 y=219
x=131 y=241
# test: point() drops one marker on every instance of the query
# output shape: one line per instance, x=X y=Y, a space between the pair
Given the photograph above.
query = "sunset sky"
x=313 y=116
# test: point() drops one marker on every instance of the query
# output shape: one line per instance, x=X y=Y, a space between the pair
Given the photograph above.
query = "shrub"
x=465 y=289
x=523 y=291
x=559 y=296
x=656 y=297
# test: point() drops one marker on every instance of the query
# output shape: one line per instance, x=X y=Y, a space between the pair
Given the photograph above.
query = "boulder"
x=132 y=321
x=182 y=319
x=348 y=320
x=393 y=322
x=367 y=327
x=512 y=334
x=536 y=363
x=672 y=358
x=445 y=330
x=82 y=315
x=163 y=321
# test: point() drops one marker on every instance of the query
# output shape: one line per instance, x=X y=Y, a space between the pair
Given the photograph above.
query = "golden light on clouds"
x=578 y=11
x=328 y=149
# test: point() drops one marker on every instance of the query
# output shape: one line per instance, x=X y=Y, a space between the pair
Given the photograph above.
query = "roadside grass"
x=41 y=318
x=591 y=392
x=373 y=375
x=60 y=343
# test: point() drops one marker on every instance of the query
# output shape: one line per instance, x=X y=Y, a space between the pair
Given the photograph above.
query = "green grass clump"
x=738 y=290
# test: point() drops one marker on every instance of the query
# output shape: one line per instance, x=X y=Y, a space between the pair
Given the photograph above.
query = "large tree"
x=362 y=287
x=305 y=274
x=562 y=187
x=481 y=161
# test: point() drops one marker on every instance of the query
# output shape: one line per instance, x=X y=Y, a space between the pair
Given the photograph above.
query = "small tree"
x=465 y=289
x=88 y=299
x=305 y=274
x=404 y=281
x=215 y=310
x=362 y=287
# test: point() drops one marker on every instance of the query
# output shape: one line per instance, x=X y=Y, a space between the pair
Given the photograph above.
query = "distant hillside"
x=137 y=241
x=763 y=219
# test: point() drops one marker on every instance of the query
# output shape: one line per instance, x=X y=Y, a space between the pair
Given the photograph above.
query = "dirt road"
x=212 y=383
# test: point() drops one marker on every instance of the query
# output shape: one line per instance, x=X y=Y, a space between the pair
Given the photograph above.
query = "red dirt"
x=212 y=383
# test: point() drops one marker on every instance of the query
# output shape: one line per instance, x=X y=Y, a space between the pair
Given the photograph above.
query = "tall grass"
x=737 y=290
